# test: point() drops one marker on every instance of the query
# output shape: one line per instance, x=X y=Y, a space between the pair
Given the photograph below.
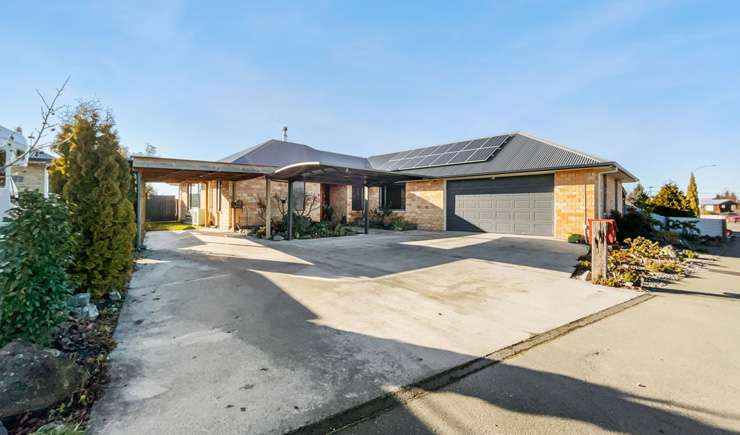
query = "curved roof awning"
x=330 y=174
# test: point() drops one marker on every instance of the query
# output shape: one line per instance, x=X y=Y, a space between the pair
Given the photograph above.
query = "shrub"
x=401 y=224
x=94 y=179
x=671 y=211
x=575 y=238
x=670 y=197
x=643 y=247
x=380 y=217
x=35 y=250
x=688 y=254
x=633 y=223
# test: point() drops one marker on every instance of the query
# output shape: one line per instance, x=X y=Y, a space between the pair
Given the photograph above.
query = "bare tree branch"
x=47 y=114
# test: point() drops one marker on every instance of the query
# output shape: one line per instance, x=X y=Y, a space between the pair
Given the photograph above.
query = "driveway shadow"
x=380 y=254
x=532 y=392
x=208 y=344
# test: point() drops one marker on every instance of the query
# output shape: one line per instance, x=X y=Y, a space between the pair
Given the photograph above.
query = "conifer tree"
x=93 y=177
x=671 y=200
x=692 y=196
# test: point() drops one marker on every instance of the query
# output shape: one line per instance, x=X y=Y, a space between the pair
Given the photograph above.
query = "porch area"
x=236 y=197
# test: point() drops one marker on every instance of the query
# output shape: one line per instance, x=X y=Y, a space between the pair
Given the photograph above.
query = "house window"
x=194 y=196
x=393 y=196
x=358 y=200
x=299 y=195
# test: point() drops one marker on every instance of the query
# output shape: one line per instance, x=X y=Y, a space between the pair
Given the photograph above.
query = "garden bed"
x=88 y=343
x=641 y=262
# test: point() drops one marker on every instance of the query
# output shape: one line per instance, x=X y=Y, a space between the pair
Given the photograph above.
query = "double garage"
x=510 y=205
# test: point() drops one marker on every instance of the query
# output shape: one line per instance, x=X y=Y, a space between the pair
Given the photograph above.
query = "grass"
x=168 y=226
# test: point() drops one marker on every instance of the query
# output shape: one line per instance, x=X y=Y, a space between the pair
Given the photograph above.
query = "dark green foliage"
x=671 y=211
x=400 y=224
x=35 y=250
x=94 y=179
x=633 y=223
x=692 y=196
x=305 y=228
x=384 y=218
x=639 y=198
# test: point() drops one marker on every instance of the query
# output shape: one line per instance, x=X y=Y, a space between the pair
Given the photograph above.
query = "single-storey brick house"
x=511 y=183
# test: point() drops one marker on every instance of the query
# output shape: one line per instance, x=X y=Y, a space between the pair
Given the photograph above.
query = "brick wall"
x=340 y=199
x=575 y=201
x=425 y=204
x=252 y=191
x=30 y=177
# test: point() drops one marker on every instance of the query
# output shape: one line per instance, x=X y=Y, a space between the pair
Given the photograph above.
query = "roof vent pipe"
x=285 y=134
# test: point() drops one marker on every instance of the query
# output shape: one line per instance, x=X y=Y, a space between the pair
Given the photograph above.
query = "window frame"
x=384 y=196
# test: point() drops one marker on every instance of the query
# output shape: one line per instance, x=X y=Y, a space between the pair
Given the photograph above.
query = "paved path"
x=670 y=365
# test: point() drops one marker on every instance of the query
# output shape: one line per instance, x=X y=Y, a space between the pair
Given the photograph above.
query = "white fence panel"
x=706 y=226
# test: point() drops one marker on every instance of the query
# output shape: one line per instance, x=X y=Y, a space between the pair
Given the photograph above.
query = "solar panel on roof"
x=481 y=154
x=475 y=144
x=443 y=159
x=470 y=151
x=457 y=146
x=426 y=161
x=461 y=157
x=410 y=163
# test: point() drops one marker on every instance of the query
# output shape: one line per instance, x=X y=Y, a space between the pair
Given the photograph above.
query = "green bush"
x=94 y=179
x=633 y=223
x=35 y=250
x=575 y=238
x=671 y=211
x=401 y=224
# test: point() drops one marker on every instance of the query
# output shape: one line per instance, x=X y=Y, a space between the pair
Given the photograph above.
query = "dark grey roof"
x=521 y=153
x=280 y=153
x=40 y=156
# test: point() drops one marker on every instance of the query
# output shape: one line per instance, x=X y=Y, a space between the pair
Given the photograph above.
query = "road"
x=669 y=365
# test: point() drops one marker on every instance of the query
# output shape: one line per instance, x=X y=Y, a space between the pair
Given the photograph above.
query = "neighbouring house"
x=20 y=170
x=35 y=175
x=718 y=206
x=511 y=183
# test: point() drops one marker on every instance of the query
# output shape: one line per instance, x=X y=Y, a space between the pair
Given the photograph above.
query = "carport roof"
x=335 y=174
x=157 y=169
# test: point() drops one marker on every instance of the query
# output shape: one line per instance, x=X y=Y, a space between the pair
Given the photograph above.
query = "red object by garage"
x=611 y=233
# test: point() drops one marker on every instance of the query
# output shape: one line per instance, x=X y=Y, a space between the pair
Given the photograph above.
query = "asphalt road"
x=669 y=365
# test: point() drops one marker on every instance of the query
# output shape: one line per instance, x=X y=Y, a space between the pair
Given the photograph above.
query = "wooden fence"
x=161 y=208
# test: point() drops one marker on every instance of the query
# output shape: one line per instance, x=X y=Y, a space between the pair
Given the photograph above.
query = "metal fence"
x=161 y=208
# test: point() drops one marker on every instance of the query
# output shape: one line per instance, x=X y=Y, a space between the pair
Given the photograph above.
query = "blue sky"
x=654 y=85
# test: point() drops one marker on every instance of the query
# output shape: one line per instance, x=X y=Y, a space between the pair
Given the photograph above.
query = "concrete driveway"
x=221 y=334
x=668 y=366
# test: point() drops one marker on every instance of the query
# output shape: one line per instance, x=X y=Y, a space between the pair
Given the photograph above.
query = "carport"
x=156 y=169
x=316 y=172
